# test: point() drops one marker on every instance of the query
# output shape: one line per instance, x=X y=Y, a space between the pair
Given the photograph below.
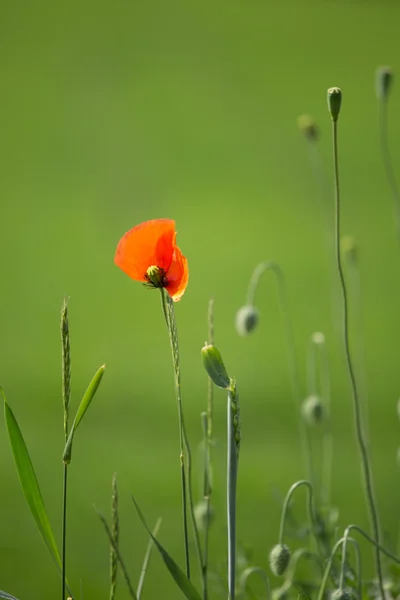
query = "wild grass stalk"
x=339 y=543
x=185 y=453
x=115 y=537
x=208 y=453
x=233 y=443
x=66 y=395
x=334 y=104
x=146 y=559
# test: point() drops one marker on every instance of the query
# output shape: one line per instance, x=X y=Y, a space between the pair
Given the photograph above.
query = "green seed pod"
x=279 y=558
x=214 y=366
x=308 y=128
x=343 y=594
x=383 y=82
x=246 y=319
x=203 y=514
x=313 y=410
x=155 y=276
x=334 y=102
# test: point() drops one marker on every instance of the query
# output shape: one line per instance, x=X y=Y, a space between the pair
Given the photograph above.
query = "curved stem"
x=291 y=352
x=356 y=401
x=311 y=508
x=346 y=538
x=330 y=562
x=387 y=162
x=372 y=541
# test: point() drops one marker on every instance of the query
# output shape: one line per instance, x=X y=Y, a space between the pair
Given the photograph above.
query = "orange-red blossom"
x=148 y=253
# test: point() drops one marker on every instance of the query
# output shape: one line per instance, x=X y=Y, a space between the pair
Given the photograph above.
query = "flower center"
x=155 y=277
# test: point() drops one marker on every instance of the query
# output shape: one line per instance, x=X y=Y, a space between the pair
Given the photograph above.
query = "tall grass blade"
x=115 y=535
x=29 y=482
x=146 y=560
x=84 y=405
x=118 y=554
x=178 y=575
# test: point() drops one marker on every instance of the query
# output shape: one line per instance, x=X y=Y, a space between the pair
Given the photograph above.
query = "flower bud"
x=334 y=102
x=214 y=366
x=308 y=128
x=313 y=410
x=203 y=514
x=383 y=82
x=246 y=319
x=279 y=558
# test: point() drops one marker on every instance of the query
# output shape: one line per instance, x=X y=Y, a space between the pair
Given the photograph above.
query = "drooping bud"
x=308 y=128
x=279 y=559
x=203 y=514
x=214 y=366
x=156 y=276
x=246 y=319
x=383 y=82
x=343 y=594
x=313 y=410
x=334 y=102
x=348 y=247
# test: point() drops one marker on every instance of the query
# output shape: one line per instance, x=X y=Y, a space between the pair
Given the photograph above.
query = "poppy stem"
x=387 y=161
x=360 y=435
x=291 y=352
x=185 y=453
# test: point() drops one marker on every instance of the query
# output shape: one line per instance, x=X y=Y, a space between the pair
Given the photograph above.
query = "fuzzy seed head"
x=308 y=128
x=279 y=559
x=246 y=319
x=383 y=82
x=334 y=102
x=313 y=410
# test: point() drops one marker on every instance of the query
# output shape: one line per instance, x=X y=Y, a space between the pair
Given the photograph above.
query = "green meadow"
x=116 y=113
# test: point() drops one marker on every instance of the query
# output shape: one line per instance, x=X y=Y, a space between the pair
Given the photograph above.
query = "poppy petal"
x=177 y=276
x=147 y=244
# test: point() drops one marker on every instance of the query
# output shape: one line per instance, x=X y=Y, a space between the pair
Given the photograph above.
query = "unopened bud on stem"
x=246 y=319
x=384 y=78
x=214 y=366
x=334 y=102
x=279 y=559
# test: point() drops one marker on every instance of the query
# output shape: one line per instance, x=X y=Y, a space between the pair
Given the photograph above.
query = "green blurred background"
x=115 y=113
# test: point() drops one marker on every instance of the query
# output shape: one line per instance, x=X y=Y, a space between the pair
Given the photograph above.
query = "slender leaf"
x=7 y=596
x=84 y=405
x=147 y=559
x=29 y=482
x=179 y=576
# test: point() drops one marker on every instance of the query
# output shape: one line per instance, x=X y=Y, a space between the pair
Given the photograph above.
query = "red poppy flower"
x=148 y=253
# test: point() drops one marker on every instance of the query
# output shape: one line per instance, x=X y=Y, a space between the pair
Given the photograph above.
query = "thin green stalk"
x=233 y=443
x=115 y=535
x=356 y=402
x=291 y=352
x=147 y=559
x=318 y=363
x=118 y=554
x=387 y=161
x=330 y=563
x=185 y=453
x=343 y=564
x=372 y=541
x=311 y=508
x=208 y=455
x=66 y=394
x=64 y=532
